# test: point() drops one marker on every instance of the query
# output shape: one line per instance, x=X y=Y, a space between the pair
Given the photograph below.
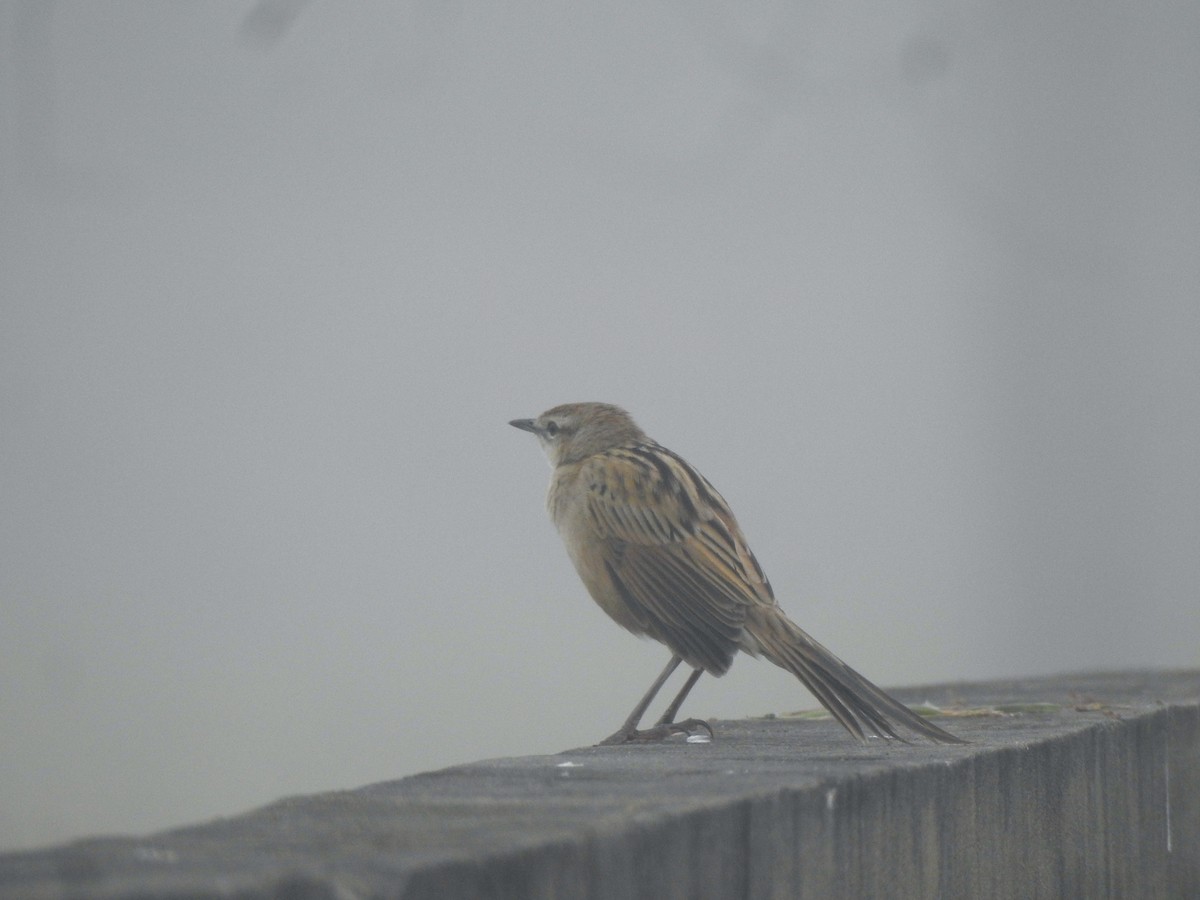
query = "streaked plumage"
x=660 y=551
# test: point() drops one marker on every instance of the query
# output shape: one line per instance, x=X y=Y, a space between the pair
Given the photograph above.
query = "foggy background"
x=916 y=285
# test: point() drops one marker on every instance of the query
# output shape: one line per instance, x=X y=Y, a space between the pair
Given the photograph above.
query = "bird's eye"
x=551 y=429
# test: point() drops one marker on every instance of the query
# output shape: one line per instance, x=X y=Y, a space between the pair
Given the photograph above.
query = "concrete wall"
x=1085 y=786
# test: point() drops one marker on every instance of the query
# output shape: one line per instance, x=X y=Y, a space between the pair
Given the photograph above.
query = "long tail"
x=860 y=706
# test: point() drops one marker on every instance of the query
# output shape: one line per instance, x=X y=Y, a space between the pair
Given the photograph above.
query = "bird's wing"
x=675 y=551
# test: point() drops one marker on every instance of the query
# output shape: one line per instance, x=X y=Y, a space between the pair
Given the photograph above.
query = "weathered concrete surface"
x=1096 y=794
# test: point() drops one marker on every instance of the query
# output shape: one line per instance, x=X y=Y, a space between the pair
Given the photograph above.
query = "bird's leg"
x=628 y=733
x=668 y=717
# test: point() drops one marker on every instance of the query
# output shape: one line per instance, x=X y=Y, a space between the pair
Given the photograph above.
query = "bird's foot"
x=660 y=732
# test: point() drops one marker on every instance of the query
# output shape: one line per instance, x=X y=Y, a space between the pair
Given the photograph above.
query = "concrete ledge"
x=1088 y=786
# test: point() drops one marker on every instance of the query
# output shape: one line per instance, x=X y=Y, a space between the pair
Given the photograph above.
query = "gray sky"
x=914 y=285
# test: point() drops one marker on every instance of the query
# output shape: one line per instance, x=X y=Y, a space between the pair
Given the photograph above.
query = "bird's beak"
x=525 y=425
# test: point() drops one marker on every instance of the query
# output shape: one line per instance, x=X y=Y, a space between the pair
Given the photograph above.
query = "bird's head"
x=575 y=431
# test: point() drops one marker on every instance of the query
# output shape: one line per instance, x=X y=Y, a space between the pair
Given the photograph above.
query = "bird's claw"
x=660 y=732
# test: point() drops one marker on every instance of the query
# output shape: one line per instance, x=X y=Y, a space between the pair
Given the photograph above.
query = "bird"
x=660 y=551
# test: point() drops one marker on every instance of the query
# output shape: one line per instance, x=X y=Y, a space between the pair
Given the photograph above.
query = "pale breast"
x=591 y=554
